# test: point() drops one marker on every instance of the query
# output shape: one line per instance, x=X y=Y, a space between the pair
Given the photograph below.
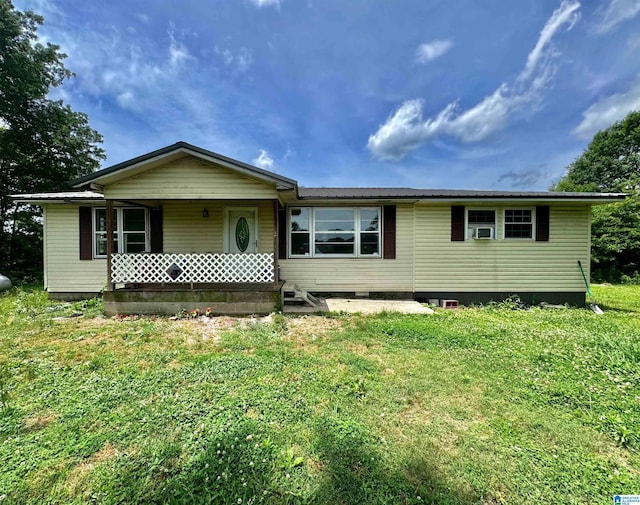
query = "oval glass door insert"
x=242 y=234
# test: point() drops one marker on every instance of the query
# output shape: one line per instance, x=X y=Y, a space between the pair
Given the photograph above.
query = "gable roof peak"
x=173 y=150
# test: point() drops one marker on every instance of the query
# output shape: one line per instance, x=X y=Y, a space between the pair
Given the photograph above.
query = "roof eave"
x=606 y=199
x=61 y=201
x=59 y=197
x=593 y=198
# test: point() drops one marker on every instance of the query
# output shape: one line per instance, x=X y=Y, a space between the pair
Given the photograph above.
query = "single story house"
x=184 y=227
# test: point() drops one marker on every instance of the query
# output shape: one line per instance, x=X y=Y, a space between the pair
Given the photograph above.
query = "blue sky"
x=498 y=94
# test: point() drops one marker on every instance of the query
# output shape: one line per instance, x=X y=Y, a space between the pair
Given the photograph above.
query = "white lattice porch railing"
x=191 y=268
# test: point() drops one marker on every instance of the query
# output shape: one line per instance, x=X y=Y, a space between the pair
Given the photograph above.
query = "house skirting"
x=228 y=301
x=72 y=296
x=572 y=298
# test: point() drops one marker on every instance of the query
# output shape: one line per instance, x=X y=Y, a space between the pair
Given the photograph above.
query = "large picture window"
x=129 y=231
x=323 y=231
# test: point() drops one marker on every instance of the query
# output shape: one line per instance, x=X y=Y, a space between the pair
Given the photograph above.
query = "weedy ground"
x=483 y=405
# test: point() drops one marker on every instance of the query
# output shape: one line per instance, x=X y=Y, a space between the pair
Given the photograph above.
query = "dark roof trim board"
x=446 y=194
x=184 y=147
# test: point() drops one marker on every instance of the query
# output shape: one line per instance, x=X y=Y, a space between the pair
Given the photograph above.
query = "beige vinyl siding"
x=423 y=232
x=501 y=265
x=185 y=230
x=358 y=274
x=190 y=178
x=64 y=272
x=266 y=226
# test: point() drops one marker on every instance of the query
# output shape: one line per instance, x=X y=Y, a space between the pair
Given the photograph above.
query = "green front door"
x=242 y=235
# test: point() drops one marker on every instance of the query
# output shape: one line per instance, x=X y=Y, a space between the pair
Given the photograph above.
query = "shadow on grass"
x=355 y=472
x=607 y=307
x=239 y=467
x=231 y=466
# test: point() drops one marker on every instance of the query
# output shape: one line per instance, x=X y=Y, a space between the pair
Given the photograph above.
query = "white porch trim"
x=156 y=268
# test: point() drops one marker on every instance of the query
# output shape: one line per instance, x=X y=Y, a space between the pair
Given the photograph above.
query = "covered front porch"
x=152 y=283
x=183 y=228
x=207 y=254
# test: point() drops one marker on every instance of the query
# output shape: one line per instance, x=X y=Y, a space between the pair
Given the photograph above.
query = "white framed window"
x=481 y=223
x=130 y=226
x=518 y=223
x=369 y=231
x=334 y=232
x=300 y=231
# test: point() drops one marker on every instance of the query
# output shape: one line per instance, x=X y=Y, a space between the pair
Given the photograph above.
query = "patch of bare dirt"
x=205 y=328
x=210 y=328
x=108 y=451
x=312 y=326
x=304 y=330
x=79 y=472
x=38 y=422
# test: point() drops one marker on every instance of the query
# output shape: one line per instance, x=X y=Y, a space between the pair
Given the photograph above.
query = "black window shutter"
x=457 y=223
x=389 y=235
x=282 y=233
x=86 y=230
x=542 y=223
x=155 y=230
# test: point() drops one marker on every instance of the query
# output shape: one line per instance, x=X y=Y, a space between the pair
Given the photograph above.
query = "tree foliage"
x=43 y=142
x=611 y=163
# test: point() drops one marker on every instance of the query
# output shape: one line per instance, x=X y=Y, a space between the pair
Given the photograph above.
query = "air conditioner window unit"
x=483 y=233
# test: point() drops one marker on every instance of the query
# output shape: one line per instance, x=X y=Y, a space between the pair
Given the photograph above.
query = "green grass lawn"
x=485 y=405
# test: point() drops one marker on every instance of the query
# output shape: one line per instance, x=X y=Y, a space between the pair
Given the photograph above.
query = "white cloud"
x=126 y=99
x=617 y=12
x=143 y=78
x=266 y=3
x=567 y=13
x=264 y=160
x=243 y=60
x=429 y=51
x=110 y=64
x=240 y=61
x=290 y=152
x=633 y=43
x=608 y=110
x=178 y=53
x=406 y=129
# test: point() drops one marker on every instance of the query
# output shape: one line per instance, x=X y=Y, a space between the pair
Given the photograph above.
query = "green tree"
x=43 y=142
x=611 y=163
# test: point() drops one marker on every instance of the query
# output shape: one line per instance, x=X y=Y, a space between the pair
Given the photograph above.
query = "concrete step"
x=293 y=293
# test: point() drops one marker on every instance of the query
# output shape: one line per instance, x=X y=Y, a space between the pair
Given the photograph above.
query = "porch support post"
x=110 y=284
x=276 y=231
